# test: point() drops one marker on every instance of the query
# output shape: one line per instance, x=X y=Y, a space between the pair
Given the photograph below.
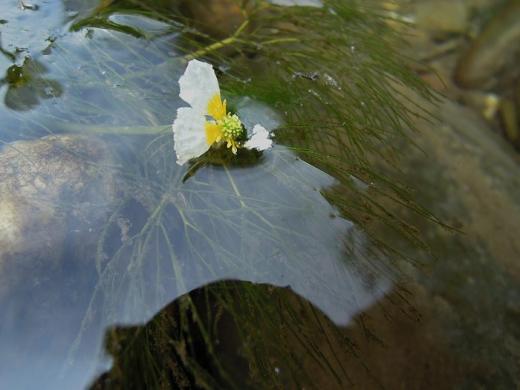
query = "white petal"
x=189 y=134
x=260 y=139
x=198 y=85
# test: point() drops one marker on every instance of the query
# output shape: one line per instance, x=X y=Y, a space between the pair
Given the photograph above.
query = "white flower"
x=260 y=139
x=194 y=134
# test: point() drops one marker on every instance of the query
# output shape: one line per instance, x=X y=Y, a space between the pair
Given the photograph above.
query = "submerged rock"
x=467 y=175
x=471 y=179
x=442 y=17
x=53 y=190
x=493 y=52
x=218 y=18
x=462 y=329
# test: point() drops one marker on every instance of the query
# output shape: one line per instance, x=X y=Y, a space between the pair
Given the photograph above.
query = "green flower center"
x=231 y=126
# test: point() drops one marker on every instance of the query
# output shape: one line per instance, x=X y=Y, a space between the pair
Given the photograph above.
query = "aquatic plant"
x=327 y=80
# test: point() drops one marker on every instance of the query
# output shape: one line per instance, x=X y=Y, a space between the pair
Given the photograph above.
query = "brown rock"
x=217 y=18
x=494 y=49
x=442 y=17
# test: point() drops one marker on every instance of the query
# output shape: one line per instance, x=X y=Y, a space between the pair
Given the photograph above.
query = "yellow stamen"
x=217 y=108
x=232 y=144
x=226 y=127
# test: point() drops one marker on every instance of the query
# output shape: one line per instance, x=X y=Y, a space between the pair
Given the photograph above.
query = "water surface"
x=267 y=263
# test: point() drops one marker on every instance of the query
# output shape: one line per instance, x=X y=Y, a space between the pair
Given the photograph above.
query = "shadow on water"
x=229 y=321
x=257 y=336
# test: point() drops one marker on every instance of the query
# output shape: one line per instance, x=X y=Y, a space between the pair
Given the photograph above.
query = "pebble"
x=494 y=49
x=442 y=17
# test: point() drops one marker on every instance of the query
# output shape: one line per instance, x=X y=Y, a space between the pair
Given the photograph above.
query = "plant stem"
x=218 y=45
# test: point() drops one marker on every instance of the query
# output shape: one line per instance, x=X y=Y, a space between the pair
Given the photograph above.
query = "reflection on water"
x=55 y=191
x=267 y=223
